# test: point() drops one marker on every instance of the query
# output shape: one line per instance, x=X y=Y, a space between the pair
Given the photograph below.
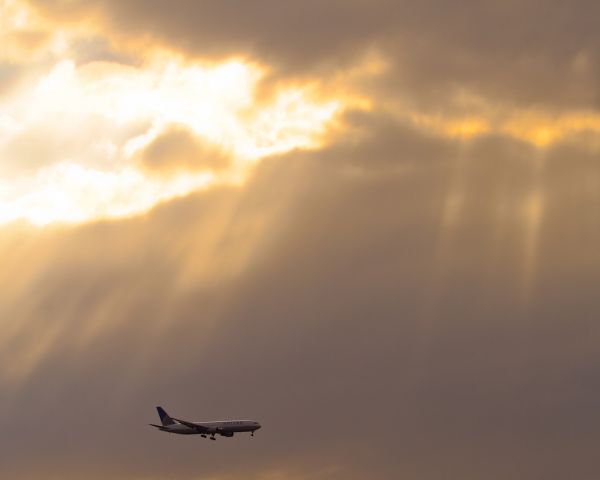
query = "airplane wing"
x=198 y=428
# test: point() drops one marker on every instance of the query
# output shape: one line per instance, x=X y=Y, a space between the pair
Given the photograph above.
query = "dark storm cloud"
x=532 y=52
x=372 y=336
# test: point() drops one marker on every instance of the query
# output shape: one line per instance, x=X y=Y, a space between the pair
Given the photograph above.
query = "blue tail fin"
x=164 y=417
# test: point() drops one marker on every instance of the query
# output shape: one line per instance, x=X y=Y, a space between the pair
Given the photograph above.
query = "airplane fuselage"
x=224 y=428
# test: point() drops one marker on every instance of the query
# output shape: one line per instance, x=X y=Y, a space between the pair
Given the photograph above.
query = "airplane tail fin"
x=164 y=417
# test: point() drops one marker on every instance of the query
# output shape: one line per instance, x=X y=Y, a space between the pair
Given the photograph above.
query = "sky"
x=372 y=226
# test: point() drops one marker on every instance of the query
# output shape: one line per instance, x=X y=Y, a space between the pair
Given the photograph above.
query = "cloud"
x=178 y=149
x=73 y=140
x=531 y=54
x=379 y=322
x=9 y=74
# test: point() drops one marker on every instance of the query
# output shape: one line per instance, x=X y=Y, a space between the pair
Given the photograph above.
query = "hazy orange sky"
x=372 y=226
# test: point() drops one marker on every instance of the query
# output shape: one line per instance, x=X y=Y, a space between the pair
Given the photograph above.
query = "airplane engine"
x=227 y=434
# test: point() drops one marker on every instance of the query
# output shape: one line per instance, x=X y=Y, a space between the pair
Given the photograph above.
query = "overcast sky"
x=372 y=226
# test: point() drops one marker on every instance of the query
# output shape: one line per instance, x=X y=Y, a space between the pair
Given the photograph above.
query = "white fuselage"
x=225 y=428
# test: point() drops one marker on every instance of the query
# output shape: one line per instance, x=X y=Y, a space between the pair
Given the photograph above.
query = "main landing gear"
x=212 y=437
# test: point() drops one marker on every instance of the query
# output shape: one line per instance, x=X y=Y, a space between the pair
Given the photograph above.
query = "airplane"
x=204 y=429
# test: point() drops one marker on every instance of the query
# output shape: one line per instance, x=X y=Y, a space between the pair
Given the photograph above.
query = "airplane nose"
x=258 y=425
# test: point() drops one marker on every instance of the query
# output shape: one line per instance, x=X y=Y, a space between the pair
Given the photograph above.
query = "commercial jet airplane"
x=204 y=429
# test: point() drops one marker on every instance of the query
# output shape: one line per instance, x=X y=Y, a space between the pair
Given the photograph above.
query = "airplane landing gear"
x=212 y=437
x=203 y=436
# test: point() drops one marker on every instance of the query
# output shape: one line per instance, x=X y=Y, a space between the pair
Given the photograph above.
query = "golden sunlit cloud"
x=21 y=32
x=95 y=118
x=70 y=192
x=537 y=128
x=72 y=132
x=543 y=130
x=462 y=128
